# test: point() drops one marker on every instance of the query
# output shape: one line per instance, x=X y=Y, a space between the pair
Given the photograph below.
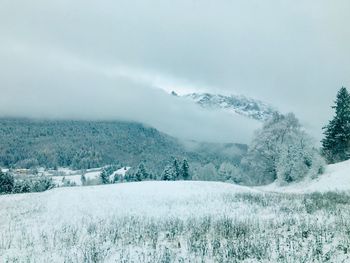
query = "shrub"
x=42 y=184
x=22 y=186
x=6 y=182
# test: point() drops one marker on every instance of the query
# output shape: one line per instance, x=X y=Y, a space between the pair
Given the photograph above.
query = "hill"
x=28 y=143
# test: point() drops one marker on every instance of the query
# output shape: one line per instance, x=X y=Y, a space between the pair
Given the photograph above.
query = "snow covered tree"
x=336 y=144
x=168 y=173
x=299 y=159
x=128 y=177
x=6 y=182
x=104 y=176
x=176 y=169
x=281 y=150
x=42 y=184
x=228 y=172
x=173 y=171
x=207 y=172
x=185 y=170
x=141 y=173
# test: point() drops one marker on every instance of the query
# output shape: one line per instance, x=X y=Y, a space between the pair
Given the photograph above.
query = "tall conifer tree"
x=186 y=170
x=336 y=144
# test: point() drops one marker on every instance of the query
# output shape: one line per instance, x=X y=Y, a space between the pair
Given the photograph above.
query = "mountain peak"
x=237 y=104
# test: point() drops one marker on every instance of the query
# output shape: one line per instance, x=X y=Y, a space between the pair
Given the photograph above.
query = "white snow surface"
x=26 y=218
x=151 y=199
x=91 y=174
x=75 y=176
x=335 y=178
x=158 y=198
x=120 y=172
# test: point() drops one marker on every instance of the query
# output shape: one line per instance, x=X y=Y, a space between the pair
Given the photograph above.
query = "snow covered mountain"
x=235 y=104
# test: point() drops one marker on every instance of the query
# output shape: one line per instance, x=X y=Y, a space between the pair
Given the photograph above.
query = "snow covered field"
x=74 y=176
x=178 y=222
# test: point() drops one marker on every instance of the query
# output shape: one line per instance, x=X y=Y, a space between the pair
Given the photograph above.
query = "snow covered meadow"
x=64 y=176
x=178 y=222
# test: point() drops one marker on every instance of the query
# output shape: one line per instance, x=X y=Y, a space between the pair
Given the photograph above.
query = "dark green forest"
x=28 y=143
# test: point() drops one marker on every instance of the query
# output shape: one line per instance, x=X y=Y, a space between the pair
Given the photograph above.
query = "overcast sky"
x=104 y=59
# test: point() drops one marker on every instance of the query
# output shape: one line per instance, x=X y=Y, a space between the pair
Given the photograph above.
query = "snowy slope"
x=234 y=104
x=335 y=178
x=144 y=222
x=121 y=172
x=72 y=176
x=54 y=214
x=155 y=199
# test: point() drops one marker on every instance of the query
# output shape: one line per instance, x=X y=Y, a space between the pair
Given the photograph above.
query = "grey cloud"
x=293 y=54
x=60 y=86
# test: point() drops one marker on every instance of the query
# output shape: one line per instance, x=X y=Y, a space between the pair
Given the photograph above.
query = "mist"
x=56 y=54
x=56 y=85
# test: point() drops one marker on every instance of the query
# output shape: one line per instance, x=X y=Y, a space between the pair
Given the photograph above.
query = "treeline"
x=172 y=172
x=83 y=145
x=11 y=185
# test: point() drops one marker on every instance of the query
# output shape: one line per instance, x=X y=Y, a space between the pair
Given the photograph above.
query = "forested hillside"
x=26 y=143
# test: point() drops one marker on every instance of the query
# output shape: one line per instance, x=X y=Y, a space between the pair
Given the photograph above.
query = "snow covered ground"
x=120 y=172
x=74 y=176
x=335 y=178
x=180 y=222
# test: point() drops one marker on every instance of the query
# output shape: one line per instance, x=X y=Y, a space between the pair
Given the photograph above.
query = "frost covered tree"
x=185 y=170
x=173 y=171
x=282 y=150
x=104 y=176
x=299 y=159
x=6 y=182
x=168 y=173
x=336 y=144
x=176 y=169
x=208 y=172
x=229 y=172
x=141 y=173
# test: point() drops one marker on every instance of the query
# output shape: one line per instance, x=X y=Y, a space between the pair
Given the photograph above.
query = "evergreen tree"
x=141 y=173
x=104 y=176
x=185 y=170
x=176 y=170
x=336 y=144
x=168 y=174
x=6 y=182
x=130 y=176
x=127 y=177
x=116 y=178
